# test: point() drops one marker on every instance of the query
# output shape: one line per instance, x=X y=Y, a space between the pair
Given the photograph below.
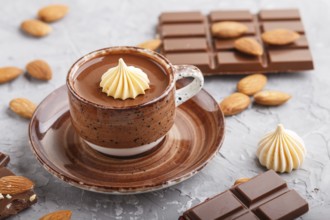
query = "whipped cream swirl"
x=123 y=82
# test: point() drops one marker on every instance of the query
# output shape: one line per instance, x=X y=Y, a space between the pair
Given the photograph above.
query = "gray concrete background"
x=95 y=24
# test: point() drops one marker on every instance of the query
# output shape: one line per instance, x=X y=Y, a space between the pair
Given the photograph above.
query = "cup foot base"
x=125 y=152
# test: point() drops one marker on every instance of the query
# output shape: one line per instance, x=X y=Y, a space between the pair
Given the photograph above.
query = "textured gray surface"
x=90 y=26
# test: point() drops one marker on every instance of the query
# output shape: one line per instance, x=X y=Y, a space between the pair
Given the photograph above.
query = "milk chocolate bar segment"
x=216 y=209
x=200 y=59
x=180 y=30
x=260 y=187
x=287 y=206
x=231 y=15
x=279 y=14
x=228 y=59
x=290 y=59
x=186 y=44
x=247 y=216
x=179 y=17
x=265 y=196
x=291 y=25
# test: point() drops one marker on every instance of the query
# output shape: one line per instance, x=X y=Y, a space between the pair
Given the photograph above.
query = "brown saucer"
x=194 y=139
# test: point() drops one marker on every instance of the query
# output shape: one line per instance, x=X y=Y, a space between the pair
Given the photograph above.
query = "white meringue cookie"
x=281 y=150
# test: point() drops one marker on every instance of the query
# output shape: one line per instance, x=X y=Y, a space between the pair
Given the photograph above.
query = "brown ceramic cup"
x=130 y=130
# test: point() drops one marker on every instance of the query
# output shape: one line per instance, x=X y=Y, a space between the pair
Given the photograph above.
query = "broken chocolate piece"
x=187 y=39
x=13 y=204
x=265 y=196
x=4 y=159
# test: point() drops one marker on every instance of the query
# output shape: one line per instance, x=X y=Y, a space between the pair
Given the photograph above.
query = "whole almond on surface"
x=52 y=13
x=35 y=28
x=252 y=84
x=280 y=37
x=271 y=98
x=23 y=107
x=228 y=29
x=58 y=215
x=249 y=46
x=234 y=104
x=153 y=44
x=241 y=180
x=39 y=69
x=9 y=73
x=15 y=184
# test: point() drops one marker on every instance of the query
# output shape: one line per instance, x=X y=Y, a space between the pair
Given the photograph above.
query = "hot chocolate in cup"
x=132 y=126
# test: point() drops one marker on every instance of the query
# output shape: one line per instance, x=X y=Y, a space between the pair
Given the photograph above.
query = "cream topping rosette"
x=123 y=82
x=281 y=150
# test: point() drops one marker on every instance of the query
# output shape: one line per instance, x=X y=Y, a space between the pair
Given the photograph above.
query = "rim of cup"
x=160 y=59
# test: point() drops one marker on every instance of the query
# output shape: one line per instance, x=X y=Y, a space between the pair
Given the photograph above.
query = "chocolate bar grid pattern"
x=264 y=197
x=187 y=39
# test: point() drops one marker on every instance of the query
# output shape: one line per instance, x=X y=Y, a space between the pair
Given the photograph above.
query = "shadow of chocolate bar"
x=265 y=196
x=187 y=39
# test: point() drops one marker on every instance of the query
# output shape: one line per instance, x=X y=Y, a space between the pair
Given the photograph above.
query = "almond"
x=153 y=44
x=271 y=98
x=9 y=73
x=15 y=184
x=58 y=215
x=234 y=104
x=22 y=107
x=241 y=180
x=36 y=28
x=249 y=46
x=52 y=13
x=252 y=84
x=228 y=29
x=280 y=36
x=39 y=69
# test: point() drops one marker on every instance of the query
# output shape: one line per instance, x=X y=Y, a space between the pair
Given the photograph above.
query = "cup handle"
x=185 y=93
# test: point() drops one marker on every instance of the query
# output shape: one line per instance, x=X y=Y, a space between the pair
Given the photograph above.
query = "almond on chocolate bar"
x=280 y=36
x=249 y=46
x=228 y=29
x=15 y=184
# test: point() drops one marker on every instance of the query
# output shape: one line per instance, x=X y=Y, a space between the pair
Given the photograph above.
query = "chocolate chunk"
x=265 y=196
x=4 y=159
x=187 y=39
x=13 y=204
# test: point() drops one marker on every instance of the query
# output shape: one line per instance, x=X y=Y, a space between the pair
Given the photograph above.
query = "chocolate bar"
x=187 y=39
x=11 y=204
x=265 y=196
